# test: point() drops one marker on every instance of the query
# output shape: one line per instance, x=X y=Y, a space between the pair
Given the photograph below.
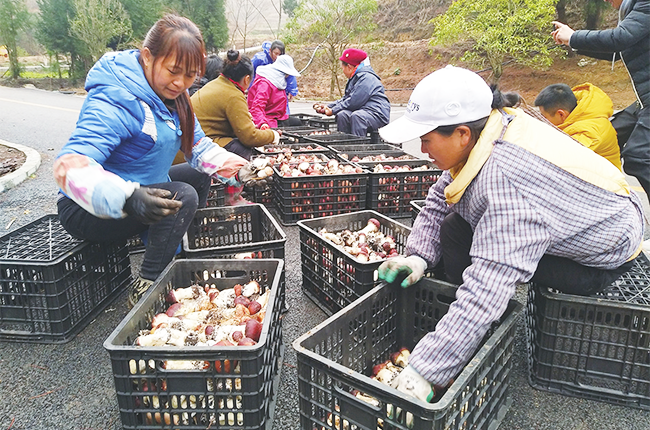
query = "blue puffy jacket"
x=364 y=90
x=124 y=125
x=263 y=58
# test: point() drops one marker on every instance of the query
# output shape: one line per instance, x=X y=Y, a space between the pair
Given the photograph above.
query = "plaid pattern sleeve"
x=517 y=216
x=426 y=242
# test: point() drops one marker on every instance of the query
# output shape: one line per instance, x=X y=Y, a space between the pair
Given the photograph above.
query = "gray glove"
x=410 y=382
x=248 y=176
x=150 y=205
x=413 y=266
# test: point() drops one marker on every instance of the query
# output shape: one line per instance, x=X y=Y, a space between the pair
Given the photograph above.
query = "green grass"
x=31 y=74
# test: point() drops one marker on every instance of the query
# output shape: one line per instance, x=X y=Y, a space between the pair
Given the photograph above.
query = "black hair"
x=499 y=100
x=176 y=35
x=237 y=66
x=213 y=67
x=556 y=96
x=277 y=44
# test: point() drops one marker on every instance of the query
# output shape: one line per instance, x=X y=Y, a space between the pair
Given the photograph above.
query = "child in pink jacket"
x=267 y=100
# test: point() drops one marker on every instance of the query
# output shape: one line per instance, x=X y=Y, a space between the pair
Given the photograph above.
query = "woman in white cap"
x=267 y=98
x=519 y=201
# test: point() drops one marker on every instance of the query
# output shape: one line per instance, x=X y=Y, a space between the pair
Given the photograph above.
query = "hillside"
x=414 y=61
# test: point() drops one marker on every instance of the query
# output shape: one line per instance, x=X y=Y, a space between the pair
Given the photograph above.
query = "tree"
x=143 y=15
x=517 y=30
x=289 y=7
x=335 y=25
x=593 y=9
x=15 y=17
x=100 y=22
x=209 y=16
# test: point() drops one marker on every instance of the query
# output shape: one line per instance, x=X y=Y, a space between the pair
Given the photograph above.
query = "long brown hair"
x=176 y=35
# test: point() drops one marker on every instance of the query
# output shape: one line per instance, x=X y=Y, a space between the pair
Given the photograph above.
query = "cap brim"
x=290 y=72
x=403 y=130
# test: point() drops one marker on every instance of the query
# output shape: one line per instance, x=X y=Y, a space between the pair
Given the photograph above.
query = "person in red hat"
x=364 y=107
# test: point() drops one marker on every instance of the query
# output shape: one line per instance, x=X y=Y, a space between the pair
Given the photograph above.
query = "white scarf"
x=274 y=75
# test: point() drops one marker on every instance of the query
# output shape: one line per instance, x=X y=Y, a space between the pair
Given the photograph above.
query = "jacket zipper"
x=638 y=99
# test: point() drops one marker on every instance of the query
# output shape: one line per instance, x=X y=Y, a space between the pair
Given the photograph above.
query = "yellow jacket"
x=589 y=122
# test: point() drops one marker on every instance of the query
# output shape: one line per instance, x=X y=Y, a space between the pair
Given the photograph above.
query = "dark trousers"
x=190 y=187
x=633 y=129
x=556 y=272
x=236 y=147
x=358 y=122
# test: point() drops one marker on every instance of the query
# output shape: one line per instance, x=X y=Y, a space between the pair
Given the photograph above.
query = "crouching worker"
x=583 y=113
x=364 y=107
x=115 y=172
x=518 y=201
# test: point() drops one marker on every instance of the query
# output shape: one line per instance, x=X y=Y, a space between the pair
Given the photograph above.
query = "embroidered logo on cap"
x=452 y=109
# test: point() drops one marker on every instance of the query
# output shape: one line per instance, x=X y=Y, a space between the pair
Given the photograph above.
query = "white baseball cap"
x=448 y=96
x=284 y=63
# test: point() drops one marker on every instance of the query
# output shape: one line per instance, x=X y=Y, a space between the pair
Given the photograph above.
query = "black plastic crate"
x=135 y=244
x=335 y=356
x=306 y=197
x=338 y=139
x=231 y=230
x=53 y=285
x=225 y=232
x=596 y=347
x=350 y=156
x=304 y=117
x=217 y=194
x=293 y=135
x=331 y=277
x=390 y=193
x=324 y=122
x=215 y=397
x=416 y=207
x=295 y=148
x=375 y=148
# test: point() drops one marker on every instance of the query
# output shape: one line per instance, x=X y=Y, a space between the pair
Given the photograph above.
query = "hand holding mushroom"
x=257 y=173
x=413 y=266
x=410 y=382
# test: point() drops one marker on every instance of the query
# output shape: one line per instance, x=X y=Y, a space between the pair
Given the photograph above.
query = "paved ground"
x=70 y=386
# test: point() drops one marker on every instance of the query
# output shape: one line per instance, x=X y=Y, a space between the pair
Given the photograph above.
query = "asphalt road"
x=70 y=386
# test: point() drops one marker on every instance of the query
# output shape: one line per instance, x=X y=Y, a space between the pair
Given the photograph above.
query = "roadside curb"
x=32 y=162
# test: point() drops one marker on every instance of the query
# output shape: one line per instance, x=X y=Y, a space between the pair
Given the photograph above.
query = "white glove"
x=410 y=382
x=412 y=265
x=276 y=137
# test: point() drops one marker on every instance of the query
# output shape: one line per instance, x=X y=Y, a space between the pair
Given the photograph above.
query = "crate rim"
x=226 y=248
x=459 y=382
x=587 y=300
x=182 y=351
x=375 y=214
x=68 y=253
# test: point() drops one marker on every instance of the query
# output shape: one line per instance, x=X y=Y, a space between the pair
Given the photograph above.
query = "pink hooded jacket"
x=266 y=102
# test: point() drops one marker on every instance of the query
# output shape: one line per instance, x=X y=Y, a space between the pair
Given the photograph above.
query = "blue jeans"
x=190 y=187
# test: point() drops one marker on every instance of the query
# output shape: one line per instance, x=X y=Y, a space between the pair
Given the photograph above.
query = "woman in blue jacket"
x=115 y=173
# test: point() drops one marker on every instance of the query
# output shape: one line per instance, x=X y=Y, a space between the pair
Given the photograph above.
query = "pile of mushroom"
x=367 y=244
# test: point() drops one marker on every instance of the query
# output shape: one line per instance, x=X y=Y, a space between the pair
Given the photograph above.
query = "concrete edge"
x=29 y=167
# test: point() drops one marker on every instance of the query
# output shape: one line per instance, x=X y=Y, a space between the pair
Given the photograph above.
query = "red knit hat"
x=353 y=56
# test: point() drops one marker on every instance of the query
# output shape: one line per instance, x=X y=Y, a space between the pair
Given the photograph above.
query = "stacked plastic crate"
x=53 y=285
x=596 y=347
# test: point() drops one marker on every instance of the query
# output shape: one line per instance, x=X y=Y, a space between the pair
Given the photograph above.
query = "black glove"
x=150 y=205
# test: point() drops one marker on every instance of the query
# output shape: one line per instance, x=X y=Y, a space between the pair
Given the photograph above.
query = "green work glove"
x=410 y=382
x=413 y=266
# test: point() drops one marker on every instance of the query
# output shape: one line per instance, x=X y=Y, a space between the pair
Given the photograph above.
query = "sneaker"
x=138 y=287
